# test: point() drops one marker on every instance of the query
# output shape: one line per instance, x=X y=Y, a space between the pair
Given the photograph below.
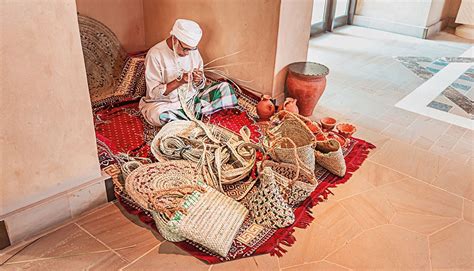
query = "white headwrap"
x=187 y=31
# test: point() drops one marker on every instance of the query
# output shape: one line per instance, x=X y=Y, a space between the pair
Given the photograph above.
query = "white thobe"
x=162 y=67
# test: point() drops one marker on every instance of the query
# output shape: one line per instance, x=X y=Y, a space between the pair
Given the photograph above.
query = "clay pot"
x=290 y=105
x=328 y=123
x=306 y=82
x=346 y=129
x=265 y=108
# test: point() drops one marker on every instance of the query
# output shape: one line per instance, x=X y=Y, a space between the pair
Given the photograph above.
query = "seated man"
x=173 y=64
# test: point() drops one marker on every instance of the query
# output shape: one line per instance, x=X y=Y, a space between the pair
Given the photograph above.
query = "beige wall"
x=293 y=37
x=250 y=26
x=401 y=11
x=123 y=17
x=46 y=135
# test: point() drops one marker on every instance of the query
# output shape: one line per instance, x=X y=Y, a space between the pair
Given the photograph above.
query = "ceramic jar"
x=290 y=105
x=306 y=82
x=265 y=108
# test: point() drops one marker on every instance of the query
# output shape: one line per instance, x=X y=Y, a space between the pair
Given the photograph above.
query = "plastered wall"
x=293 y=37
x=123 y=17
x=46 y=132
x=229 y=26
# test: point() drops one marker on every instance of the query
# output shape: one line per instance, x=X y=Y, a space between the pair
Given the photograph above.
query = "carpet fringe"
x=305 y=218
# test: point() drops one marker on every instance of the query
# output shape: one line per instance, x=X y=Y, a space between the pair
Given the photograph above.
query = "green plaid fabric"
x=215 y=97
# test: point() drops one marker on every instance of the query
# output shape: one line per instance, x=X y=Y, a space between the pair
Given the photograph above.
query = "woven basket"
x=268 y=206
x=296 y=191
x=296 y=181
x=184 y=207
x=332 y=161
x=293 y=127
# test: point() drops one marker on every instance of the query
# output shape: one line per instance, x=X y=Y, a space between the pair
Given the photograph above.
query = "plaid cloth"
x=215 y=97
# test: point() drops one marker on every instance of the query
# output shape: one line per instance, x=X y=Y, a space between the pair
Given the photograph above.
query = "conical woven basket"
x=332 y=161
x=268 y=206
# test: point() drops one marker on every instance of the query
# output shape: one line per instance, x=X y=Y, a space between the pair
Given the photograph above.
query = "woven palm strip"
x=226 y=162
x=104 y=57
x=130 y=166
x=332 y=161
x=292 y=126
x=184 y=206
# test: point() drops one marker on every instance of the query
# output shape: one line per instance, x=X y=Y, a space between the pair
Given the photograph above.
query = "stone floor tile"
x=69 y=240
x=113 y=226
x=167 y=256
x=453 y=247
x=385 y=248
x=425 y=224
x=410 y=160
x=457 y=178
x=468 y=211
x=257 y=263
x=413 y=196
x=326 y=234
x=370 y=209
x=101 y=261
x=317 y=266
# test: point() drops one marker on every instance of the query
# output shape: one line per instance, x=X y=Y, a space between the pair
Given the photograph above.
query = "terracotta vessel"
x=328 y=123
x=290 y=105
x=306 y=82
x=346 y=129
x=265 y=108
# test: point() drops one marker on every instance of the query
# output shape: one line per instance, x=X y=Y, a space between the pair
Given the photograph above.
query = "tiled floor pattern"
x=409 y=207
x=458 y=97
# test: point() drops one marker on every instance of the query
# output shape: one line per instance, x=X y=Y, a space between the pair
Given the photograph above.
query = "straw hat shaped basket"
x=184 y=207
x=291 y=126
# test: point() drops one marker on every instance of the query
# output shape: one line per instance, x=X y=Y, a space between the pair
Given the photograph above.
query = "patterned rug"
x=123 y=130
x=253 y=239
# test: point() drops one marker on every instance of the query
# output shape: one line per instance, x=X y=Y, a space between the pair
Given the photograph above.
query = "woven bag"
x=268 y=206
x=291 y=126
x=332 y=161
x=184 y=207
x=296 y=182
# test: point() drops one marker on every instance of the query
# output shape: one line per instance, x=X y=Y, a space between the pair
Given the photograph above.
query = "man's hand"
x=185 y=78
x=197 y=76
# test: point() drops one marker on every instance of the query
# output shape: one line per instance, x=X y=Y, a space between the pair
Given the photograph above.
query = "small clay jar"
x=265 y=108
x=290 y=105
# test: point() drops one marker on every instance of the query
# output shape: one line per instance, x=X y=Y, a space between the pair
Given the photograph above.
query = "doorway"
x=330 y=14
